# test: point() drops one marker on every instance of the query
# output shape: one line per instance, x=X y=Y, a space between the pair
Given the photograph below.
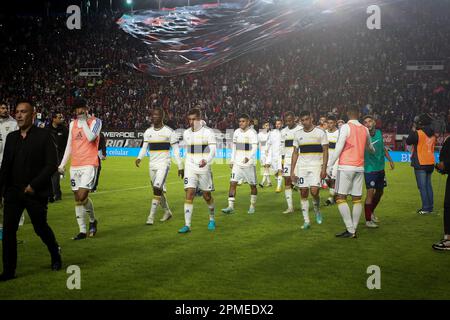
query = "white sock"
x=231 y=202
x=288 y=194
x=357 y=210
x=212 y=210
x=253 y=200
x=188 y=209
x=279 y=181
x=22 y=220
x=89 y=208
x=80 y=214
x=305 y=209
x=344 y=210
x=332 y=192
x=155 y=202
x=316 y=204
x=164 y=204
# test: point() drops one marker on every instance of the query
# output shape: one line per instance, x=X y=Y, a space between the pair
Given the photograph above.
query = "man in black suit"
x=25 y=183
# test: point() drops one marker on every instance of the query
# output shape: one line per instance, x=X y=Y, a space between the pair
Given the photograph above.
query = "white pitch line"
x=147 y=186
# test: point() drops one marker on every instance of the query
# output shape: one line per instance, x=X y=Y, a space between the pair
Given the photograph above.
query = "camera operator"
x=423 y=140
x=443 y=167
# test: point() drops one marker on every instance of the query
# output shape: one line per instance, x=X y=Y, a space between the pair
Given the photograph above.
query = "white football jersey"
x=287 y=142
x=6 y=126
x=245 y=146
x=310 y=149
x=262 y=139
x=158 y=143
x=332 y=139
x=197 y=148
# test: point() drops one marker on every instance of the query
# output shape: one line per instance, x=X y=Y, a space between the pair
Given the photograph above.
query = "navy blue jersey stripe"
x=159 y=146
x=311 y=148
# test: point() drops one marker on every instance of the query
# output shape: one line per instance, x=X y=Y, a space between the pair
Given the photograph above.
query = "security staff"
x=423 y=140
x=29 y=161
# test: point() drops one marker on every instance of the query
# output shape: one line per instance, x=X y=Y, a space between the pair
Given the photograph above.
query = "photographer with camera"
x=443 y=167
x=423 y=140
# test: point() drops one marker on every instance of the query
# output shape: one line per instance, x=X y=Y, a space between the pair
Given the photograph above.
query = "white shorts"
x=308 y=178
x=247 y=174
x=275 y=164
x=202 y=181
x=287 y=169
x=349 y=183
x=158 y=177
x=334 y=171
x=82 y=177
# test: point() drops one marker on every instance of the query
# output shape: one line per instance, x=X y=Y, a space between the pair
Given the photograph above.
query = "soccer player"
x=311 y=150
x=274 y=153
x=353 y=139
x=322 y=123
x=263 y=135
x=332 y=135
x=243 y=162
x=82 y=148
x=7 y=124
x=158 y=139
x=201 y=149
x=287 y=147
x=374 y=171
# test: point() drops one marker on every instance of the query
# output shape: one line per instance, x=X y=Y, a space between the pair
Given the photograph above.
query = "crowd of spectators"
x=324 y=70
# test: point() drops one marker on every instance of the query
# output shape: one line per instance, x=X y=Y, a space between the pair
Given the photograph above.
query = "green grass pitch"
x=260 y=256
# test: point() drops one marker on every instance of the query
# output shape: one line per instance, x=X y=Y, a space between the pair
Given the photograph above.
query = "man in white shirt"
x=243 y=162
x=332 y=134
x=287 y=147
x=311 y=150
x=263 y=136
x=273 y=159
x=200 y=152
x=158 y=139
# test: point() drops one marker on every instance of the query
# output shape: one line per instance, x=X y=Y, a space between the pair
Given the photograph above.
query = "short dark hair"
x=3 y=103
x=79 y=103
x=305 y=113
x=368 y=117
x=26 y=101
x=161 y=110
x=289 y=114
x=353 y=109
x=244 y=116
x=331 y=117
x=195 y=111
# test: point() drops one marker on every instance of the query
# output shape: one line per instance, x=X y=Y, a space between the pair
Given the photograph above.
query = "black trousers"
x=97 y=177
x=56 y=187
x=447 y=207
x=15 y=203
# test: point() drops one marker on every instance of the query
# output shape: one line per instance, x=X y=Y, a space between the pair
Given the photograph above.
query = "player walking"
x=243 y=162
x=311 y=150
x=201 y=149
x=374 y=174
x=158 y=139
x=82 y=148
x=353 y=139
x=263 y=136
x=287 y=147
x=332 y=135
x=274 y=153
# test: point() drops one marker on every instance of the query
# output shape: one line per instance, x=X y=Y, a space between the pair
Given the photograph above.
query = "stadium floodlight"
x=129 y=2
